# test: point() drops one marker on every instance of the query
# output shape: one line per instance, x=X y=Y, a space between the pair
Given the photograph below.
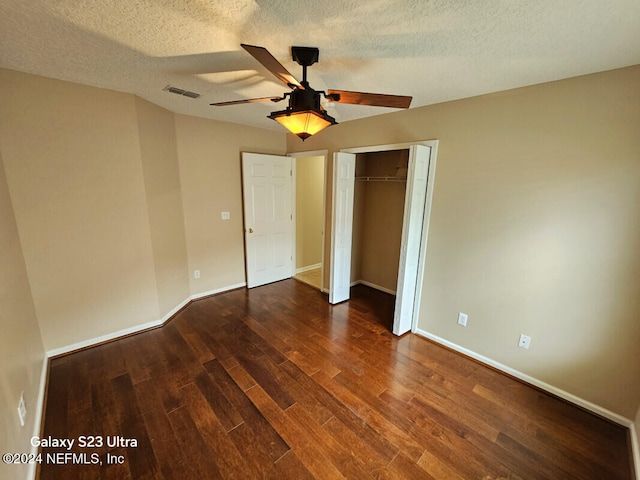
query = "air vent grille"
x=180 y=91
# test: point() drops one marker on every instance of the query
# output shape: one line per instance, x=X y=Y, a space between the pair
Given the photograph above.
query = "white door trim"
x=413 y=217
x=294 y=215
x=425 y=231
x=389 y=146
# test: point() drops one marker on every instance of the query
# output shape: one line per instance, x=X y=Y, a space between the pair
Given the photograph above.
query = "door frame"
x=427 y=209
x=294 y=158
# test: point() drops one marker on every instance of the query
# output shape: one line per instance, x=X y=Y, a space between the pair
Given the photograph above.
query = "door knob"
x=251 y=230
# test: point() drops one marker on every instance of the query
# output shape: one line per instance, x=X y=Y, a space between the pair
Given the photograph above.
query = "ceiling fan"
x=305 y=116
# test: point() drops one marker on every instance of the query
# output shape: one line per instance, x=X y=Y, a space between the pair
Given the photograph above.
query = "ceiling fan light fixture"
x=305 y=116
x=303 y=123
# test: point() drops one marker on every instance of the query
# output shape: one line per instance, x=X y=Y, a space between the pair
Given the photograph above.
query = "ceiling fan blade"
x=274 y=66
x=247 y=100
x=373 y=99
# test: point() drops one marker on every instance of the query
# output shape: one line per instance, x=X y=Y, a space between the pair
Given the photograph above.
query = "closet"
x=382 y=255
x=379 y=198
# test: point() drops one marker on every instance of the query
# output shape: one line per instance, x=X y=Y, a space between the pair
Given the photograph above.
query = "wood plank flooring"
x=276 y=383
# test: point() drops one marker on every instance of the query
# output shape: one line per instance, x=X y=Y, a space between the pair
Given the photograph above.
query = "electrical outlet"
x=524 y=341
x=22 y=410
x=225 y=215
x=196 y=274
x=462 y=319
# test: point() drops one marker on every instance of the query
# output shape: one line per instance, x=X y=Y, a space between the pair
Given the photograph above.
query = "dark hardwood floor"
x=276 y=383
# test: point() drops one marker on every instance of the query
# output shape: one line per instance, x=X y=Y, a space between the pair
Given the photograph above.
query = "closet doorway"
x=378 y=208
x=380 y=216
x=309 y=173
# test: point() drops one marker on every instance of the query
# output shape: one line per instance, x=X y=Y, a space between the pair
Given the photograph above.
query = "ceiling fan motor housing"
x=307 y=99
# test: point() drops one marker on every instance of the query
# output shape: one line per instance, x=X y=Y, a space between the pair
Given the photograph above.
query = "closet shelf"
x=381 y=179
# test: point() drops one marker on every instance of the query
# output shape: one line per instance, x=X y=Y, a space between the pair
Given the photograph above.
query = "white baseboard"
x=104 y=338
x=137 y=328
x=373 y=285
x=37 y=422
x=308 y=267
x=592 y=407
x=218 y=290
x=635 y=449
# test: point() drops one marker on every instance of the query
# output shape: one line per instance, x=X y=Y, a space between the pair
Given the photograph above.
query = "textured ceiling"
x=433 y=50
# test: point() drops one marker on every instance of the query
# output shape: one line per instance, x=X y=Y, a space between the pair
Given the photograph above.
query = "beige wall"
x=164 y=202
x=209 y=154
x=73 y=166
x=381 y=225
x=309 y=210
x=359 y=204
x=94 y=225
x=21 y=349
x=535 y=227
x=117 y=201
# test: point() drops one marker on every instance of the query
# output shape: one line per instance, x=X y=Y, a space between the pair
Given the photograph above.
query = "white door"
x=344 y=169
x=268 y=218
x=415 y=198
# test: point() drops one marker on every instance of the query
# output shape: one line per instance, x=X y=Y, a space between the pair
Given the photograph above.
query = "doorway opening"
x=309 y=172
x=378 y=209
x=284 y=225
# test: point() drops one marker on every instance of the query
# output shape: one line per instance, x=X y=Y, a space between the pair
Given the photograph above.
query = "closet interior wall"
x=377 y=218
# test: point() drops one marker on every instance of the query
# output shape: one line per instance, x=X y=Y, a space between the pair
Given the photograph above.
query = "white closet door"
x=268 y=218
x=344 y=168
x=415 y=198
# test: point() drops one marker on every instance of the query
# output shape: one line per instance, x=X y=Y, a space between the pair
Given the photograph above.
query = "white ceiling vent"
x=180 y=91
